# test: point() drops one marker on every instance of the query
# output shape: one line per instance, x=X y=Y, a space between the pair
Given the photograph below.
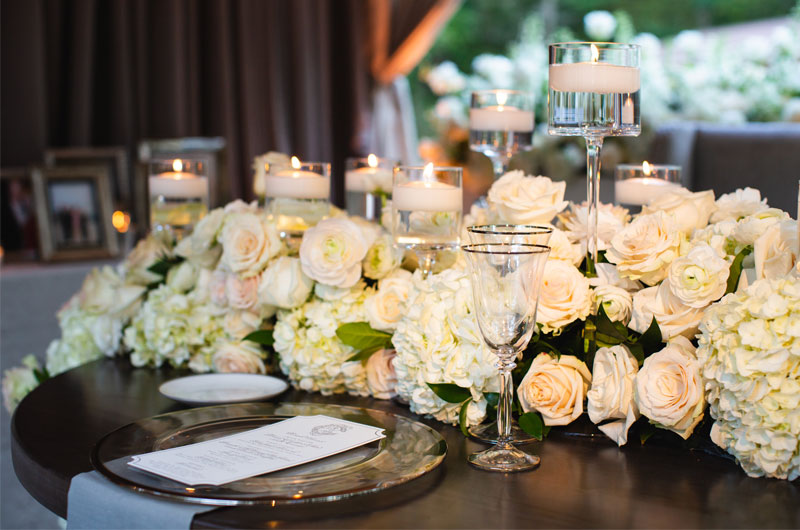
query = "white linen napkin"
x=95 y=502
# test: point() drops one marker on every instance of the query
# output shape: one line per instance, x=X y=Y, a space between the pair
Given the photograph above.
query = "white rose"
x=331 y=252
x=644 y=248
x=673 y=316
x=599 y=25
x=284 y=284
x=689 y=210
x=555 y=388
x=239 y=206
x=561 y=248
x=610 y=220
x=143 y=256
x=200 y=246
x=751 y=227
x=242 y=293
x=248 y=242
x=182 y=277
x=740 y=203
x=239 y=324
x=716 y=236
x=381 y=377
x=238 y=357
x=521 y=199
x=669 y=388
x=386 y=306
x=103 y=291
x=382 y=258
x=616 y=301
x=700 y=277
x=776 y=251
x=371 y=231
x=611 y=396
x=564 y=296
x=217 y=288
x=607 y=274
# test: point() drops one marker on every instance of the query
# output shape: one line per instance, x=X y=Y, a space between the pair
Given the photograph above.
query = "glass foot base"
x=506 y=459
x=487 y=433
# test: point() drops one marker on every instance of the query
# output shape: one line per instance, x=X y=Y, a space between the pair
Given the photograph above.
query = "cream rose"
x=386 y=306
x=607 y=274
x=241 y=293
x=616 y=301
x=240 y=323
x=776 y=252
x=564 y=296
x=381 y=258
x=521 y=199
x=183 y=277
x=331 y=252
x=238 y=357
x=700 y=277
x=669 y=388
x=104 y=292
x=610 y=220
x=673 y=316
x=201 y=246
x=611 y=396
x=749 y=229
x=248 y=242
x=217 y=288
x=644 y=248
x=689 y=210
x=562 y=248
x=381 y=377
x=143 y=256
x=284 y=284
x=740 y=203
x=555 y=388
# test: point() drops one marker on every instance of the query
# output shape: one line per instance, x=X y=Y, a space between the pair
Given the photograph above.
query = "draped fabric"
x=294 y=76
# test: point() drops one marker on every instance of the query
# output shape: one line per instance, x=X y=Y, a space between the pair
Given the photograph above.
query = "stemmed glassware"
x=506 y=233
x=505 y=280
x=426 y=211
x=501 y=125
x=594 y=93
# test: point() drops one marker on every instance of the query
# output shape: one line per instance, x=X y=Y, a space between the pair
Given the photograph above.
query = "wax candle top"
x=298 y=183
x=595 y=77
x=427 y=194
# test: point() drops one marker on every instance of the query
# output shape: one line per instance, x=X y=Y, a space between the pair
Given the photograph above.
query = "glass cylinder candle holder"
x=367 y=184
x=298 y=196
x=637 y=185
x=178 y=192
x=427 y=204
x=500 y=125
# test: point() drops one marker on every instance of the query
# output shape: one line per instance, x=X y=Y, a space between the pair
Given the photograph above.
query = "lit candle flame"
x=595 y=53
x=646 y=168
x=372 y=160
x=295 y=162
x=121 y=221
x=427 y=173
x=502 y=97
x=177 y=166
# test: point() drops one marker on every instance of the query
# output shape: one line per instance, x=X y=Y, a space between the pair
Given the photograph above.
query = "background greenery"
x=489 y=26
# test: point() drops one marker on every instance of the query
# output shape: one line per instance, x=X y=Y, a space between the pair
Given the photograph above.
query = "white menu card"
x=270 y=448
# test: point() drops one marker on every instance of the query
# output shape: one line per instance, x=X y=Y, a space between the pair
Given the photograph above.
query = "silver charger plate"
x=214 y=389
x=409 y=450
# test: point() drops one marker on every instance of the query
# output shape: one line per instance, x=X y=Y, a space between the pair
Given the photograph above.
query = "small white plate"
x=212 y=389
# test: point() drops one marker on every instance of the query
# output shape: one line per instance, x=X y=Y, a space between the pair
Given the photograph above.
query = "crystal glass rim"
x=526 y=248
x=639 y=166
x=422 y=168
x=498 y=229
x=360 y=158
x=585 y=44
x=493 y=90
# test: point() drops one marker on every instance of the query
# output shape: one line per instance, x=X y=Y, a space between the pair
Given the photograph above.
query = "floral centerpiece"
x=690 y=321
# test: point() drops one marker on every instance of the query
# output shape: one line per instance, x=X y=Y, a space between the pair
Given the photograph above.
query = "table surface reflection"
x=581 y=482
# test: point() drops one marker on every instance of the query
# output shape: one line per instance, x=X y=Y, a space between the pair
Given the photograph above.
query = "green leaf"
x=648 y=430
x=492 y=398
x=163 y=264
x=462 y=417
x=637 y=351
x=736 y=269
x=532 y=423
x=364 y=354
x=607 y=329
x=261 y=336
x=361 y=336
x=450 y=392
x=41 y=375
x=651 y=340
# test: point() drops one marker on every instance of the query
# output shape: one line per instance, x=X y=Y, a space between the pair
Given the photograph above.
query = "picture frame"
x=116 y=158
x=74 y=208
x=19 y=233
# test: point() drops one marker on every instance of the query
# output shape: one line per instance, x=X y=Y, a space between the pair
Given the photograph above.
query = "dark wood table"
x=581 y=482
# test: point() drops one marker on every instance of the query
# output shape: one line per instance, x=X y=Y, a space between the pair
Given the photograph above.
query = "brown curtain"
x=287 y=75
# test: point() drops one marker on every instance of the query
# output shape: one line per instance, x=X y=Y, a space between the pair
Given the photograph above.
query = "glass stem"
x=506 y=356
x=426 y=259
x=500 y=165
x=593 y=146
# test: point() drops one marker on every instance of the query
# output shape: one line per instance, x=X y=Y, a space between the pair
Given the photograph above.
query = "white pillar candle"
x=641 y=191
x=178 y=185
x=368 y=179
x=297 y=184
x=500 y=118
x=426 y=195
x=594 y=77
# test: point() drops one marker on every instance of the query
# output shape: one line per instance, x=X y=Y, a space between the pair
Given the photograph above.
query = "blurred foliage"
x=489 y=26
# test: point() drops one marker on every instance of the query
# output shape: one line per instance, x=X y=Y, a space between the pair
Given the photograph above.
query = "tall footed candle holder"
x=178 y=195
x=593 y=92
x=500 y=125
x=367 y=184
